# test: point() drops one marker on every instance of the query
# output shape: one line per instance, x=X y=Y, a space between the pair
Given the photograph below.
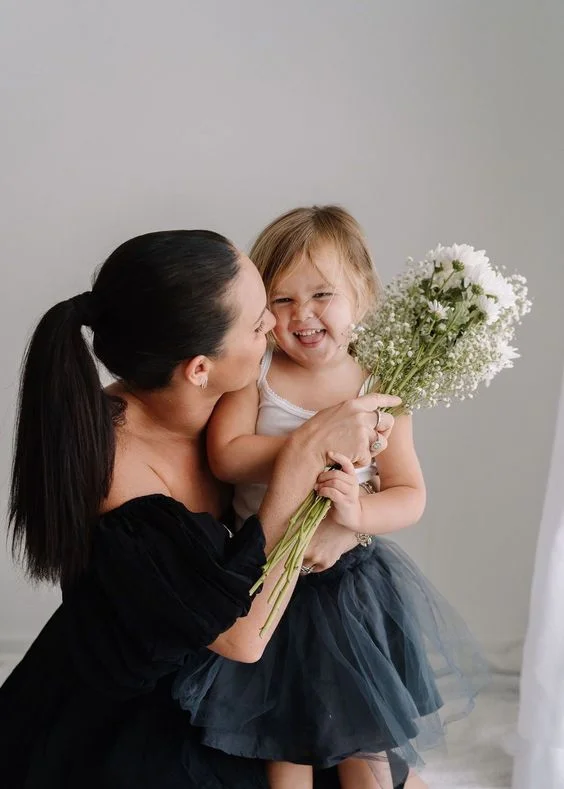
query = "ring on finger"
x=306 y=569
x=376 y=445
x=378 y=415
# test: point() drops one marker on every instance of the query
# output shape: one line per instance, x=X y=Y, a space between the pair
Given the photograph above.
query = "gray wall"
x=432 y=121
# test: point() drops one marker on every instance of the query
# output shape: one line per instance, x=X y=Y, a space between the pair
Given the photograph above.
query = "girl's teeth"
x=308 y=333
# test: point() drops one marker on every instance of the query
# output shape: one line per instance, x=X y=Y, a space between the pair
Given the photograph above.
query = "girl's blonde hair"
x=297 y=234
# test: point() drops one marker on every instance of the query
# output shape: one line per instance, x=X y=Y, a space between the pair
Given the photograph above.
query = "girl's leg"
x=286 y=775
x=415 y=782
x=358 y=774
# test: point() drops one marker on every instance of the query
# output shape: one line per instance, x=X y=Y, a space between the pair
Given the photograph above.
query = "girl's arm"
x=236 y=454
x=401 y=499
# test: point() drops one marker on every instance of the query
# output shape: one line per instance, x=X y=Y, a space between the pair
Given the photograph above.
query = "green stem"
x=308 y=525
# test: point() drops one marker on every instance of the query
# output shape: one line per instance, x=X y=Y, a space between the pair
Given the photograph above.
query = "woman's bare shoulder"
x=133 y=476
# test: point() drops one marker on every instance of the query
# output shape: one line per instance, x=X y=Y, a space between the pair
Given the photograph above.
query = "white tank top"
x=276 y=417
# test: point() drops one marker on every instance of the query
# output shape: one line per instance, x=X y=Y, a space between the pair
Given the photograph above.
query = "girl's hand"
x=341 y=487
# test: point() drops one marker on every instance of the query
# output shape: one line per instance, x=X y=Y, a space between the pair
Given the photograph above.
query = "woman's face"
x=245 y=342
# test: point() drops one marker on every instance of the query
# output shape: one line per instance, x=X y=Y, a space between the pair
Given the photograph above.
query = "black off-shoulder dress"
x=90 y=705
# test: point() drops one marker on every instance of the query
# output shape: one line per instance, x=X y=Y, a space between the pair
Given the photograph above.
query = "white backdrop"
x=540 y=753
x=434 y=121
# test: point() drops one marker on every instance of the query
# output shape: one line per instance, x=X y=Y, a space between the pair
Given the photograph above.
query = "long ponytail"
x=64 y=448
x=159 y=299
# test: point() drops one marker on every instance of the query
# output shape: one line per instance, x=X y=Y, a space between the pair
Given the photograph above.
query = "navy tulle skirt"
x=368 y=660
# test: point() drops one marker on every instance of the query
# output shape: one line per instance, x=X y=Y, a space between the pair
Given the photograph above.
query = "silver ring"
x=375 y=445
x=377 y=412
x=305 y=570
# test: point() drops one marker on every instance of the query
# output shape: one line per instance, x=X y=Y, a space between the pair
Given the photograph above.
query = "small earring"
x=204 y=382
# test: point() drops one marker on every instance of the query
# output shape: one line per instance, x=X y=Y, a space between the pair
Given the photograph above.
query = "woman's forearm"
x=293 y=477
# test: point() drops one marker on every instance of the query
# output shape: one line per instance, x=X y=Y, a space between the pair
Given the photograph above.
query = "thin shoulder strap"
x=265 y=365
x=364 y=389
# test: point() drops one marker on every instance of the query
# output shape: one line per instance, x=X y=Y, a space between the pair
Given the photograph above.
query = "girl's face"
x=313 y=307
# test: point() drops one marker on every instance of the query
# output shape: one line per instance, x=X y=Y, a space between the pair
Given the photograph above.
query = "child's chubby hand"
x=341 y=487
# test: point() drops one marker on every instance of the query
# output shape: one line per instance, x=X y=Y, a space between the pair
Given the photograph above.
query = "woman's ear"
x=197 y=371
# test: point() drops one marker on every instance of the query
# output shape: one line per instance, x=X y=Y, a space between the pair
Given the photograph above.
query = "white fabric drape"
x=539 y=759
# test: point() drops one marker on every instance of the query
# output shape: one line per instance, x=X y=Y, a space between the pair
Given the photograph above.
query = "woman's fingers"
x=386 y=423
x=371 y=402
x=329 y=542
x=378 y=445
x=348 y=428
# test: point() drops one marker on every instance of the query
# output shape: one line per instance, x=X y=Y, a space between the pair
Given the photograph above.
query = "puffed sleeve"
x=162 y=582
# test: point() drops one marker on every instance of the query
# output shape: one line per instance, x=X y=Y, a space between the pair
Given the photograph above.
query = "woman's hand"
x=328 y=544
x=348 y=428
x=384 y=427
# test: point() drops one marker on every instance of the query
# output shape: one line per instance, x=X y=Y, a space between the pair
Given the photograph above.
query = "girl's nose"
x=303 y=311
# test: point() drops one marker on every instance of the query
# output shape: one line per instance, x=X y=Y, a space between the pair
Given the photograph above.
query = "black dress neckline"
x=146 y=497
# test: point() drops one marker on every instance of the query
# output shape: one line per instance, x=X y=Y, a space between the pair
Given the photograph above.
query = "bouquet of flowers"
x=444 y=326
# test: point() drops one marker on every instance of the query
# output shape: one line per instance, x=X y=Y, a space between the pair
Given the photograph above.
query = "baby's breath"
x=445 y=325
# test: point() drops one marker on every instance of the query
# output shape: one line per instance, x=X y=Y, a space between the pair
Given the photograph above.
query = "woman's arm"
x=289 y=486
x=349 y=428
x=235 y=453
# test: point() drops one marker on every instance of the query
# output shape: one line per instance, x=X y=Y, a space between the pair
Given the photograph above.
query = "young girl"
x=350 y=676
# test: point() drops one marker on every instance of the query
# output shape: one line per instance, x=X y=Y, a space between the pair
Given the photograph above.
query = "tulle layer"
x=368 y=659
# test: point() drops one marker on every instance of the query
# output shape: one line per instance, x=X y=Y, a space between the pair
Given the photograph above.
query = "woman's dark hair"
x=159 y=299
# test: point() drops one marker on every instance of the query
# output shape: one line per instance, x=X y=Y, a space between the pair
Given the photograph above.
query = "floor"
x=479 y=749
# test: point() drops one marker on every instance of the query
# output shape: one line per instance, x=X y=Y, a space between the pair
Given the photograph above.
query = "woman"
x=112 y=497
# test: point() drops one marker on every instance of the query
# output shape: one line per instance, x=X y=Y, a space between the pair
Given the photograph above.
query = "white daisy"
x=437 y=309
